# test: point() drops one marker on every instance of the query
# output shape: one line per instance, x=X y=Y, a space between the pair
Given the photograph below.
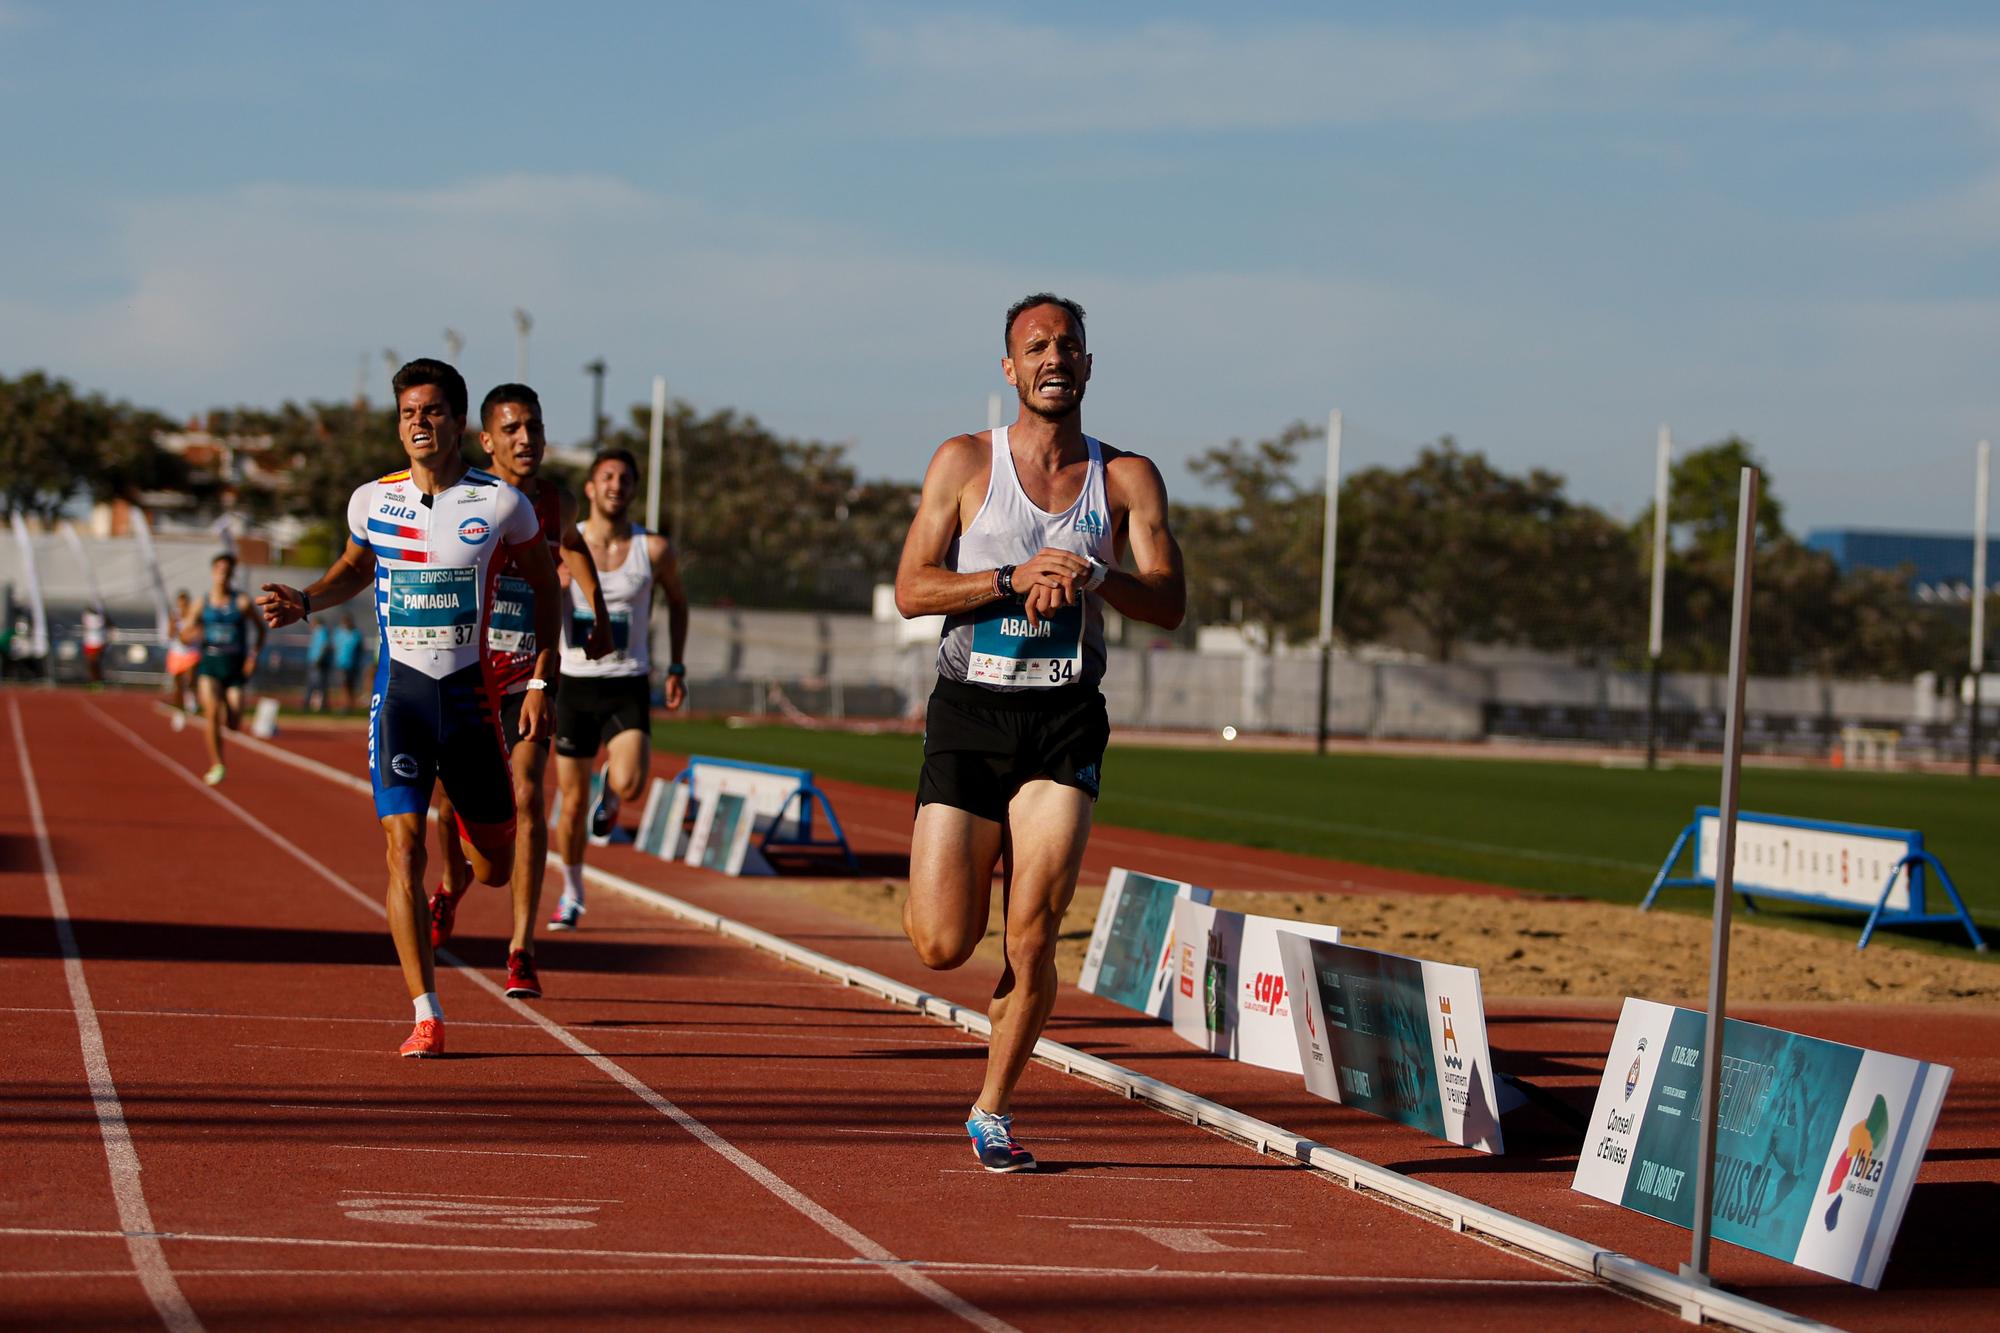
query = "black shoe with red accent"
x=522 y=983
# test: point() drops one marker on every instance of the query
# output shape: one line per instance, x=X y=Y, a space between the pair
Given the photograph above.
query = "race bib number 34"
x=433 y=608
x=1007 y=650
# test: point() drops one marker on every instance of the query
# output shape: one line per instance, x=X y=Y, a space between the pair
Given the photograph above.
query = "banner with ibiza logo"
x=1403 y=1038
x=1817 y=1143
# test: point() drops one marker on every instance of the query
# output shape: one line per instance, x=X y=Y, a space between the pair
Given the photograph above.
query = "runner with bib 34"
x=1017 y=542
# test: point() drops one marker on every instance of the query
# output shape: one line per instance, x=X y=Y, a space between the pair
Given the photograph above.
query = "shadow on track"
x=99 y=939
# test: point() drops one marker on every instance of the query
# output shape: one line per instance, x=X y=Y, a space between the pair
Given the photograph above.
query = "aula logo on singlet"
x=1091 y=524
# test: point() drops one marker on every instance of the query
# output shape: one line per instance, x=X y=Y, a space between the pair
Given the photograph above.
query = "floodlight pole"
x=1328 y=548
x=454 y=343
x=654 y=438
x=993 y=421
x=1656 y=625
x=1981 y=470
x=523 y=321
x=595 y=369
x=1725 y=879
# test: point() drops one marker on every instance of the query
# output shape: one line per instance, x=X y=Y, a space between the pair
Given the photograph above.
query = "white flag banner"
x=38 y=614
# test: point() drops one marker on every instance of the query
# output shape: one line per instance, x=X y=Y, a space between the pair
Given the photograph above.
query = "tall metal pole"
x=680 y=483
x=595 y=369
x=993 y=421
x=523 y=321
x=1656 y=624
x=454 y=343
x=654 y=439
x=1984 y=466
x=1725 y=876
x=1328 y=548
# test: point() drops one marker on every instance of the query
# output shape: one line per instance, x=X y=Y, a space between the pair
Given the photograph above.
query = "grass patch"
x=1553 y=827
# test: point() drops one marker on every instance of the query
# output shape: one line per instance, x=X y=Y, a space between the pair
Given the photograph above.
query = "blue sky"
x=1544 y=229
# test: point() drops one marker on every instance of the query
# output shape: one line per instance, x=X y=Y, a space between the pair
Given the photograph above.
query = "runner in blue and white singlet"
x=428 y=541
x=432 y=714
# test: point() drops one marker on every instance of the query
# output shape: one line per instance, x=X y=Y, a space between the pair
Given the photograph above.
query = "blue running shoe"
x=567 y=911
x=993 y=1142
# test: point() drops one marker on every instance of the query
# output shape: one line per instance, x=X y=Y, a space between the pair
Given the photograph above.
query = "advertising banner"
x=1230 y=996
x=721 y=836
x=1397 y=1037
x=1817 y=1144
x=1131 y=944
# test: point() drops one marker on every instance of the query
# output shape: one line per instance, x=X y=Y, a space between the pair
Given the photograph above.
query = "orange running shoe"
x=444 y=911
x=425 y=1040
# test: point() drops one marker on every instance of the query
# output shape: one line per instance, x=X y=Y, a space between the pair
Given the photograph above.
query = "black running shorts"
x=590 y=710
x=981 y=745
x=510 y=720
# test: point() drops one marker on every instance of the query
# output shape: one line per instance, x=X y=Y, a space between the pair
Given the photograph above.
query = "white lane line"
x=394 y=1110
x=823 y=1218
x=458 y=1152
x=242 y=1018
x=373 y=1052
x=148 y=1258
x=789 y=1263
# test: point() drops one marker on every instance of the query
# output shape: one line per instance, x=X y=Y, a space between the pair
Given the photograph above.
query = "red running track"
x=685 y=1129
x=1938 y=1272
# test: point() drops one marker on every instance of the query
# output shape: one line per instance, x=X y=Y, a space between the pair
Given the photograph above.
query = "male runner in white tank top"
x=1016 y=540
x=606 y=702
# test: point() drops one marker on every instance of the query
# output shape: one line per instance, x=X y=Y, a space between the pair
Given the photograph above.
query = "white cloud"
x=268 y=292
x=943 y=75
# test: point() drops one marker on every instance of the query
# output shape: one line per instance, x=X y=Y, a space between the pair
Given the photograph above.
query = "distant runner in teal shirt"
x=347 y=659
x=228 y=657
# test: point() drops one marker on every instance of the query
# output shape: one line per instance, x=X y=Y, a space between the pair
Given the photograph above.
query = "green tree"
x=1471 y=554
x=57 y=444
x=772 y=521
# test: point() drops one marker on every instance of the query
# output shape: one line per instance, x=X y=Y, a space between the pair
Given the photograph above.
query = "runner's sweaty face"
x=1046 y=362
x=611 y=487
x=515 y=440
x=431 y=432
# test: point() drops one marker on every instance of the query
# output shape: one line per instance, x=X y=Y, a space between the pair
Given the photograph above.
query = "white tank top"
x=628 y=596
x=995 y=646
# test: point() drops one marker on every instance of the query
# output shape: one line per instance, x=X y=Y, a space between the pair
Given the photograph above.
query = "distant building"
x=1939 y=564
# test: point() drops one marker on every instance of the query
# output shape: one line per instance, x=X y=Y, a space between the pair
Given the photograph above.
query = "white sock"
x=426 y=1006
x=573 y=883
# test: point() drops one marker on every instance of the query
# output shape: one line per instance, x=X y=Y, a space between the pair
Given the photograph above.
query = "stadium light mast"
x=595 y=369
x=655 y=437
x=993 y=421
x=454 y=343
x=1981 y=469
x=522 y=323
x=1656 y=625
x=1326 y=559
x=1725 y=878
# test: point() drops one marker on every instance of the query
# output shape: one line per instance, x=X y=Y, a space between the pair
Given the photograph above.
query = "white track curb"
x=1696 y=1302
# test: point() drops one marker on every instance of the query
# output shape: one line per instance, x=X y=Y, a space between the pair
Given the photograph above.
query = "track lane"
x=779 y=1063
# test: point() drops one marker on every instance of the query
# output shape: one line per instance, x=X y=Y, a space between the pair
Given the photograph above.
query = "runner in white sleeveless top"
x=606 y=703
x=1017 y=542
